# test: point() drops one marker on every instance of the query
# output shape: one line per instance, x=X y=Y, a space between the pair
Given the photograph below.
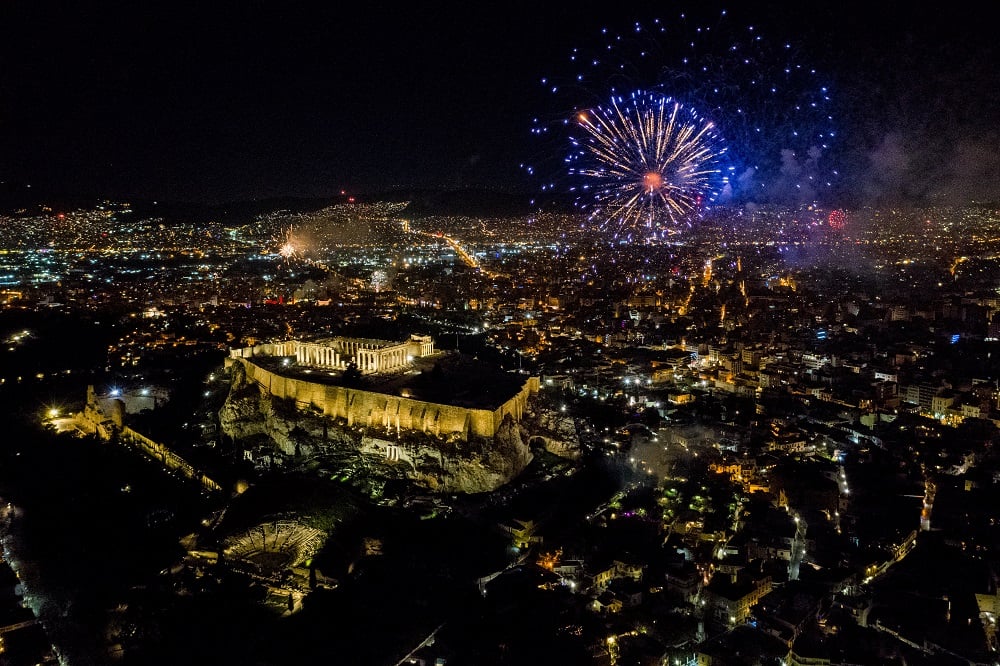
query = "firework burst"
x=291 y=246
x=645 y=160
x=837 y=219
x=770 y=110
x=379 y=280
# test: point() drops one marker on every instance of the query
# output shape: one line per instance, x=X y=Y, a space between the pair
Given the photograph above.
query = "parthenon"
x=369 y=355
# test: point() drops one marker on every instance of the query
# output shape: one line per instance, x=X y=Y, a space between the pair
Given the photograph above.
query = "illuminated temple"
x=369 y=355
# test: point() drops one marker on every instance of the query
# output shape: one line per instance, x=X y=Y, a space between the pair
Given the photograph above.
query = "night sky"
x=212 y=102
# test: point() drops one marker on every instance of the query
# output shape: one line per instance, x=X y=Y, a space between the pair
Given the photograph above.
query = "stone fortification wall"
x=393 y=413
x=168 y=458
x=103 y=416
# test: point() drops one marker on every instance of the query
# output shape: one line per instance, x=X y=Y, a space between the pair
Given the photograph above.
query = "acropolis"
x=395 y=396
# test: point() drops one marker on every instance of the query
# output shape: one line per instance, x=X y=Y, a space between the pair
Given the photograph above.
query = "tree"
x=351 y=376
x=651 y=417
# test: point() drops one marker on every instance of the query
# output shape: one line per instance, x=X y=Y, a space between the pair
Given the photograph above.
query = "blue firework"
x=771 y=110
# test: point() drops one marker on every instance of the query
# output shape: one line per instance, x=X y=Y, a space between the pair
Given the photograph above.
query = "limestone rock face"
x=446 y=465
x=556 y=430
x=241 y=417
x=476 y=467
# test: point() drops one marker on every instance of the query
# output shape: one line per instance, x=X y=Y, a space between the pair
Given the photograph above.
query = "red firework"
x=837 y=219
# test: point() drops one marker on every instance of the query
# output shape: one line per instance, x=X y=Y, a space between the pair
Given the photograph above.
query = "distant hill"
x=474 y=203
x=16 y=196
x=232 y=212
x=422 y=203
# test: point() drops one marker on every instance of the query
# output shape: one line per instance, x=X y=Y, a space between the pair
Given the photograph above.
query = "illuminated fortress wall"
x=380 y=410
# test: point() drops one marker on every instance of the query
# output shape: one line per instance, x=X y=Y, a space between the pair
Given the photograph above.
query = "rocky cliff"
x=554 y=429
